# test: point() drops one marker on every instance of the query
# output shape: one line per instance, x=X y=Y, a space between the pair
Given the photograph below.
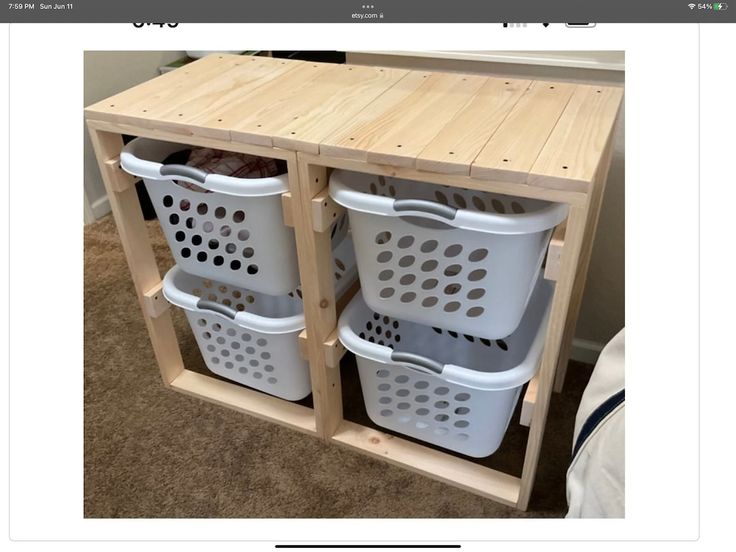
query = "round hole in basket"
x=452 y=306
x=401 y=378
x=184 y=205
x=478 y=203
x=459 y=200
x=383 y=237
x=477 y=275
x=202 y=209
x=174 y=218
x=498 y=206
x=218 y=260
x=452 y=289
x=384 y=387
x=243 y=234
x=190 y=223
x=186 y=252
x=387 y=292
x=196 y=240
x=385 y=275
x=478 y=255
x=208 y=227
x=428 y=246
x=168 y=201
x=453 y=250
x=405 y=242
x=421 y=398
x=517 y=207
x=406 y=261
x=238 y=216
x=442 y=417
x=408 y=297
x=180 y=236
x=225 y=231
x=429 y=266
x=384 y=256
x=407 y=279
x=475 y=312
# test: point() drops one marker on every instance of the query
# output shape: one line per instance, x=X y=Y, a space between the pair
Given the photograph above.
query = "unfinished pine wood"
x=460 y=141
x=287 y=209
x=119 y=180
x=155 y=301
x=325 y=210
x=558 y=314
x=530 y=399
x=248 y=401
x=596 y=200
x=407 y=128
x=441 y=466
x=554 y=253
x=314 y=250
x=574 y=151
x=512 y=150
x=138 y=252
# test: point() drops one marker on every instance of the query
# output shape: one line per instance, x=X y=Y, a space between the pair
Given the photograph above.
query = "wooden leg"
x=138 y=252
x=318 y=291
x=576 y=223
x=596 y=200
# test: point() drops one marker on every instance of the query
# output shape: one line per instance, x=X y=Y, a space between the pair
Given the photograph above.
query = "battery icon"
x=720 y=6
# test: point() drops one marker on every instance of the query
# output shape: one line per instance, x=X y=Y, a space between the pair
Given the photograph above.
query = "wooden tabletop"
x=543 y=133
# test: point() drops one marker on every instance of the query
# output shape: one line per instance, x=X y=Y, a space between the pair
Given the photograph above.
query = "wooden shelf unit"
x=536 y=139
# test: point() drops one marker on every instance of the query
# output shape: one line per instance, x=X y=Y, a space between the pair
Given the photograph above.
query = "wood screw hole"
x=551 y=87
x=324 y=303
x=112 y=105
x=564 y=167
x=219 y=120
x=452 y=153
x=293 y=132
x=507 y=82
x=352 y=138
x=398 y=146
x=505 y=160
x=259 y=126
x=181 y=114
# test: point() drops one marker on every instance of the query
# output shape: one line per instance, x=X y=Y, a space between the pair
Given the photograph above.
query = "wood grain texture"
x=242 y=399
x=441 y=466
x=512 y=150
x=574 y=150
x=457 y=145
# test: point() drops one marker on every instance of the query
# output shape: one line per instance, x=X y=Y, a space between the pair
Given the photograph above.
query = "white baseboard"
x=585 y=351
x=100 y=207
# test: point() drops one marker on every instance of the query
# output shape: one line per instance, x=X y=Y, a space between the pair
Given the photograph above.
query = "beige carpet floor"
x=151 y=452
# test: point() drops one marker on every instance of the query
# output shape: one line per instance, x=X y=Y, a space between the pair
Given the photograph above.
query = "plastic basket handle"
x=418 y=362
x=183 y=171
x=217 y=307
x=426 y=206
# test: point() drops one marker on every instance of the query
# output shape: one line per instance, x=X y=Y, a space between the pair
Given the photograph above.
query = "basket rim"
x=494 y=223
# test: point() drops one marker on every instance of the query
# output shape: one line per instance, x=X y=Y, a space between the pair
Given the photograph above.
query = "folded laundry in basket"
x=227 y=163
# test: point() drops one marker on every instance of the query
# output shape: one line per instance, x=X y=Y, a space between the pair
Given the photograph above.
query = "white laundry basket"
x=249 y=337
x=457 y=259
x=235 y=235
x=452 y=390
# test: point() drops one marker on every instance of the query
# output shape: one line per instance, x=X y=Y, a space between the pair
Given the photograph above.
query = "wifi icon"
x=691 y=6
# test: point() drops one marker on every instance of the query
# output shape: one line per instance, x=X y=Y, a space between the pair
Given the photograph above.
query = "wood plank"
x=244 y=118
x=314 y=251
x=530 y=399
x=409 y=121
x=354 y=139
x=287 y=209
x=555 y=328
x=574 y=151
x=126 y=210
x=136 y=105
x=554 y=253
x=596 y=200
x=247 y=401
x=206 y=95
x=156 y=303
x=406 y=129
x=325 y=210
x=334 y=350
x=512 y=150
x=349 y=89
x=437 y=465
x=461 y=140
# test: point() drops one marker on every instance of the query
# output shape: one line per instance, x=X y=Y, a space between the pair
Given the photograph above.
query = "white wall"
x=602 y=311
x=105 y=74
